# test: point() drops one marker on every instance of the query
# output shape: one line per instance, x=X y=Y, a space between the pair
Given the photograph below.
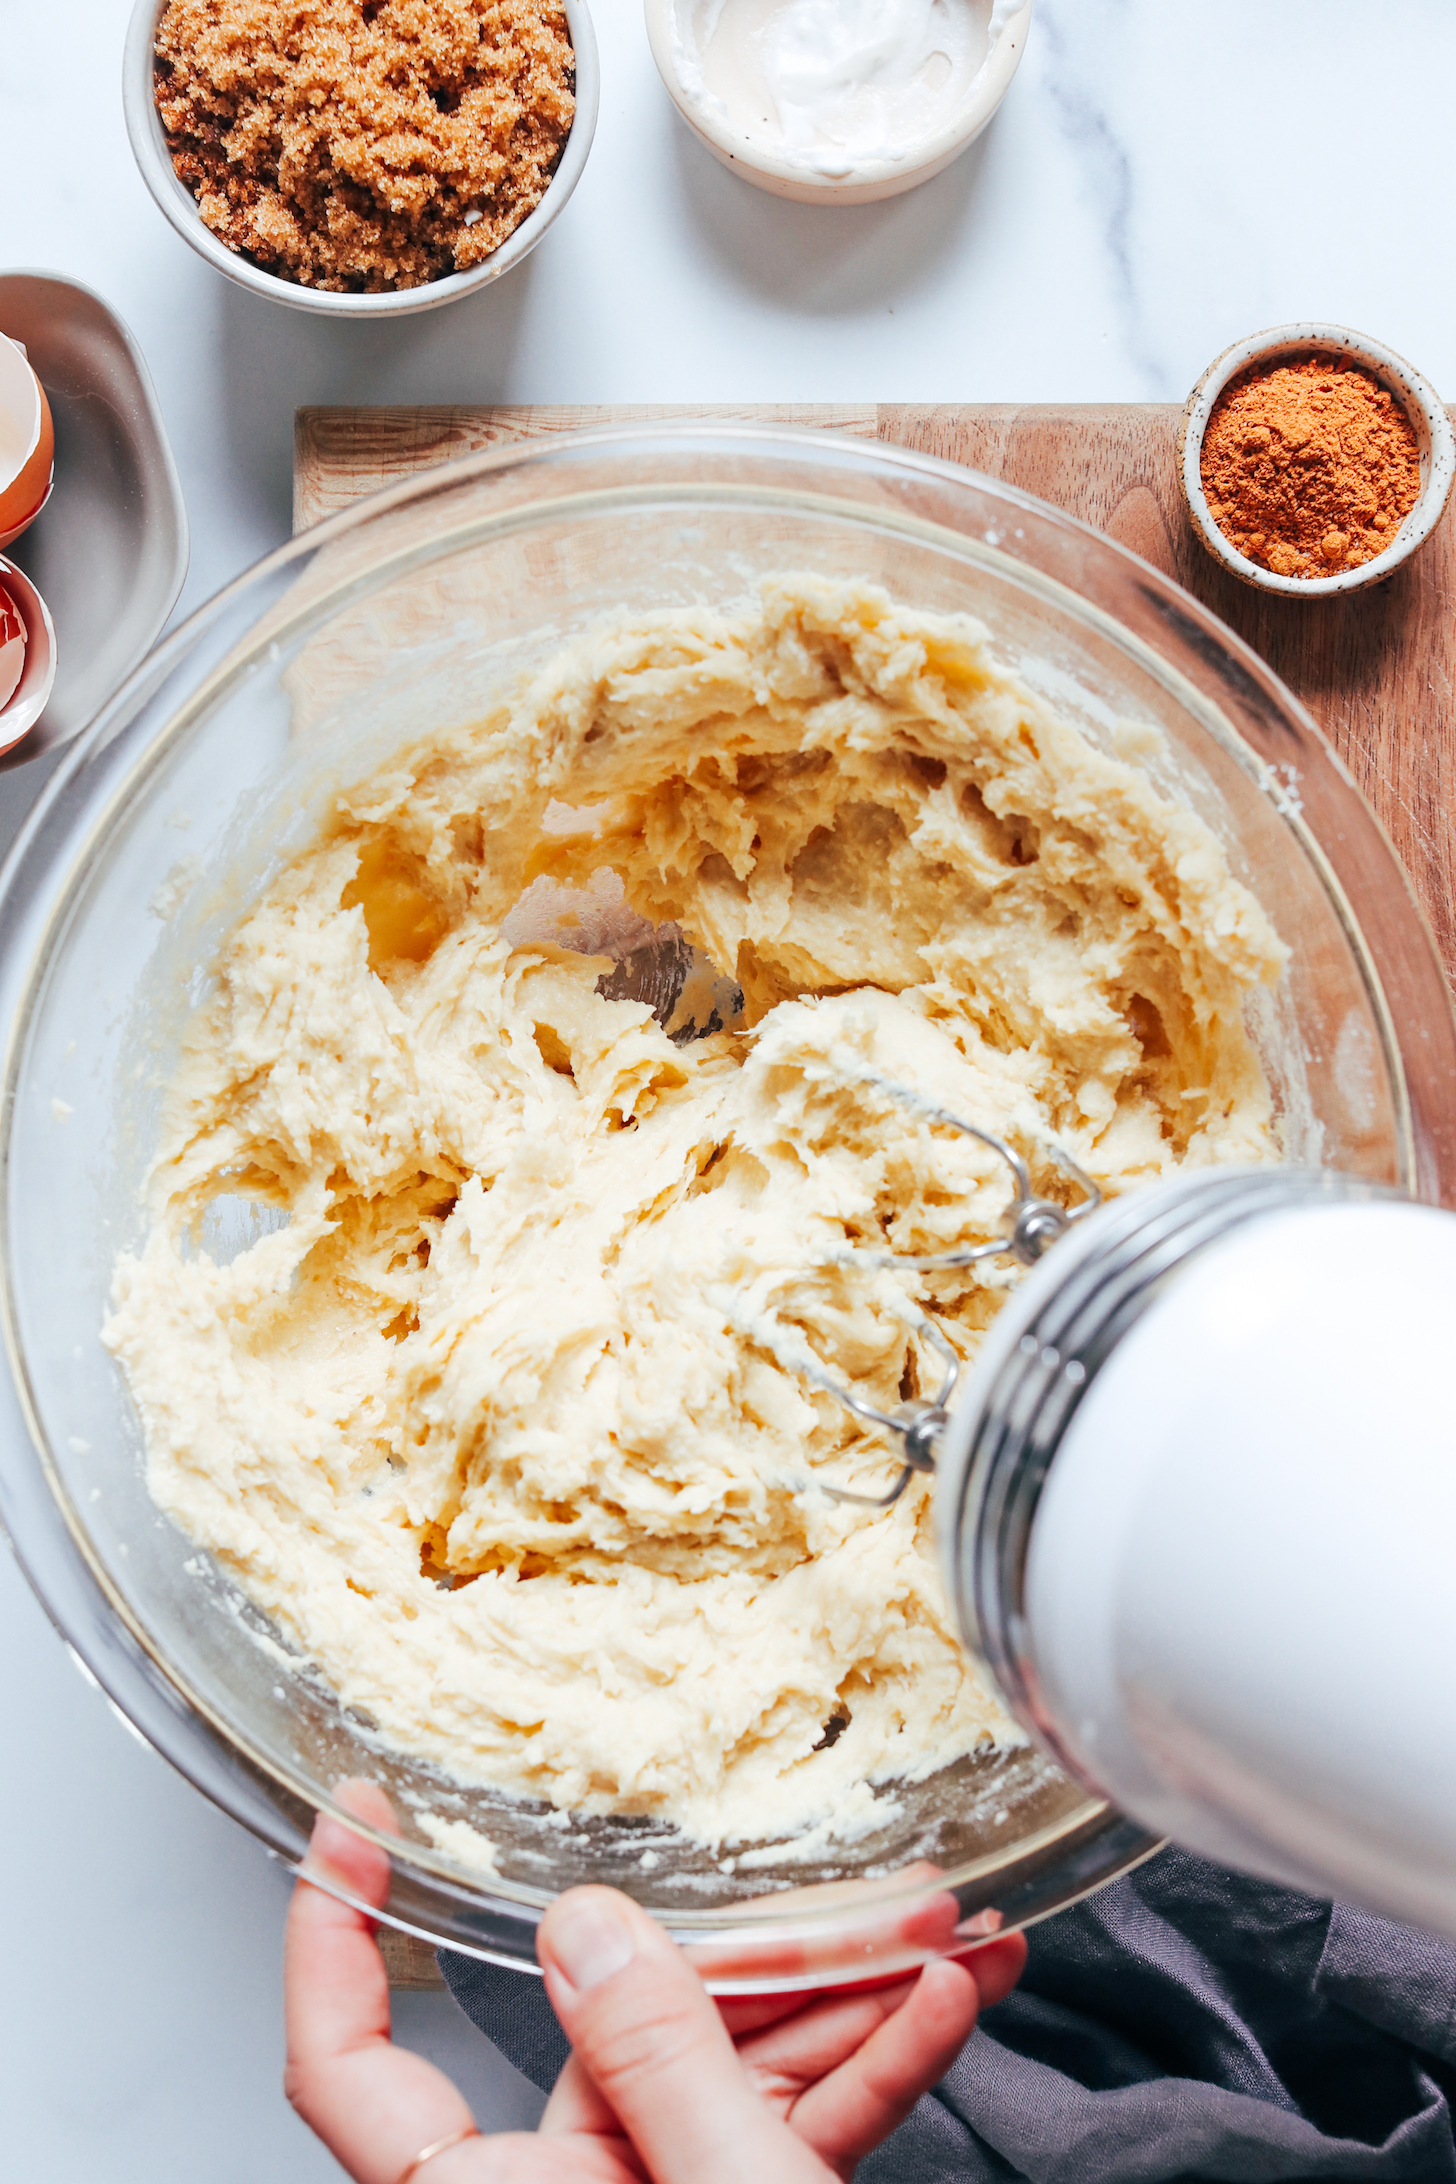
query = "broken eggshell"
x=12 y=647
x=27 y=442
x=23 y=708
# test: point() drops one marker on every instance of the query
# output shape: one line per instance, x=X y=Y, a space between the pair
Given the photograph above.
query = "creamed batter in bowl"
x=498 y=1415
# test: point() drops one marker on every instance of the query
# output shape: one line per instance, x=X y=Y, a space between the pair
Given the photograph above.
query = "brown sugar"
x=364 y=145
x=1309 y=467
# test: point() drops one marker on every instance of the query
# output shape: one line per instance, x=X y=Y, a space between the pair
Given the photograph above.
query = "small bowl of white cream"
x=837 y=102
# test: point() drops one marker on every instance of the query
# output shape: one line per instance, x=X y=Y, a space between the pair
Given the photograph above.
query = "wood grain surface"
x=409 y=1962
x=1377 y=670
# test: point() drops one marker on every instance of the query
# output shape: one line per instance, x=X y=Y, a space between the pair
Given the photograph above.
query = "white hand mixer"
x=1197 y=1507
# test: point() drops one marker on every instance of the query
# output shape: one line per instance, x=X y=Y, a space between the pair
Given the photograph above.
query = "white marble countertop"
x=1163 y=178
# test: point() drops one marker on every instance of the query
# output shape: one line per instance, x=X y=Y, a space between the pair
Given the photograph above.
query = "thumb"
x=653 y=2043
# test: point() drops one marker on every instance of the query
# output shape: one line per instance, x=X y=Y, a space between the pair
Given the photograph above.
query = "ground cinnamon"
x=1309 y=466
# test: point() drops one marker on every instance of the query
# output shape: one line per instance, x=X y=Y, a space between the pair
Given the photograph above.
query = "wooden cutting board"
x=1377 y=671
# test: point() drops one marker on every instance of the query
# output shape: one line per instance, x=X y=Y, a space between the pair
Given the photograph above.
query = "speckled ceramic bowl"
x=1422 y=404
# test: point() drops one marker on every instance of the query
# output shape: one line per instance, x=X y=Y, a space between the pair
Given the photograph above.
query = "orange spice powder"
x=1309 y=467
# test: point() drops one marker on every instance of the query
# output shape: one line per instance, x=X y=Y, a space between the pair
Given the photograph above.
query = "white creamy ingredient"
x=835 y=85
x=499 y=1412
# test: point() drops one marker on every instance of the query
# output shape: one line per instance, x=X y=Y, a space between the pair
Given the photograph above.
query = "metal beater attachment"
x=1035 y=1224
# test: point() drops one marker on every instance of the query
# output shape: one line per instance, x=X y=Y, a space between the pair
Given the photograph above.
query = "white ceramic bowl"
x=1419 y=399
x=865 y=183
x=149 y=144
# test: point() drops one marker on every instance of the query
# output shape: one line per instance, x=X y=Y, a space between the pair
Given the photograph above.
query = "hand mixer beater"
x=1032 y=1224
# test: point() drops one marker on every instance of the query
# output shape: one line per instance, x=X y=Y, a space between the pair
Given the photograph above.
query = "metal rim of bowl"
x=149 y=148
x=1417 y=397
x=873 y=179
x=1100 y=1842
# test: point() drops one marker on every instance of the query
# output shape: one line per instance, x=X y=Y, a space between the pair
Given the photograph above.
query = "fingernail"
x=588 y=1942
x=989 y=1921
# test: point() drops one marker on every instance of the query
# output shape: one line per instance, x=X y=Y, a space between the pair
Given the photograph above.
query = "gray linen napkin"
x=1184 y=2024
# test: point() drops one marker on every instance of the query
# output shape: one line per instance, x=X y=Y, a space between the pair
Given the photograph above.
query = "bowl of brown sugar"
x=1314 y=460
x=361 y=158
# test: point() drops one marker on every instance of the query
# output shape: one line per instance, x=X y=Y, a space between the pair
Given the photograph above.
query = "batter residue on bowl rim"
x=498 y=1416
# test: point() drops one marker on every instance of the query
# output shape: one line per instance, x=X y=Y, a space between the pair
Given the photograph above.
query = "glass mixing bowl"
x=210 y=769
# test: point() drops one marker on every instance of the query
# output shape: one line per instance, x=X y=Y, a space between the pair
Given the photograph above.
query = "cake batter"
x=502 y=1424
